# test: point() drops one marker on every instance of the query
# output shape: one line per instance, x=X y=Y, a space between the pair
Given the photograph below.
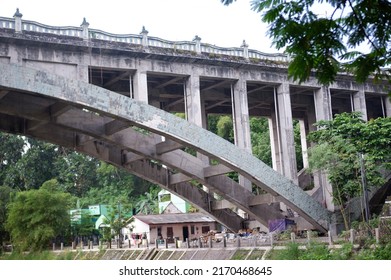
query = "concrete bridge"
x=112 y=97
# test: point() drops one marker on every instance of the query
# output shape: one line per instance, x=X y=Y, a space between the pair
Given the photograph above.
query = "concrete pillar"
x=62 y=246
x=352 y=236
x=241 y=121
x=303 y=141
x=387 y=106
x=84 y=25
x=377 y=235
x=309 y=236
x=197 y=41
x=199 y=242
x=275 y=143
x=140 y=85
x=285 y=123
x=54 y=246
x=322 y=101
x=193 y=100
x=359 y=104
x=330 y=238
x=323 y=111
x=18 y=21
x=293 y=237
x=195 y=107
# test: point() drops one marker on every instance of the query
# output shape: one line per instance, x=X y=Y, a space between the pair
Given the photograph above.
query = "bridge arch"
x=128 y=133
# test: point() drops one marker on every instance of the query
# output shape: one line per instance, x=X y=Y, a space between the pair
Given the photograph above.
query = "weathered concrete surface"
x=103 y=101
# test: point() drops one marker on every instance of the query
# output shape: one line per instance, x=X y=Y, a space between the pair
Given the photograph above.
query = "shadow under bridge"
x=149 y=143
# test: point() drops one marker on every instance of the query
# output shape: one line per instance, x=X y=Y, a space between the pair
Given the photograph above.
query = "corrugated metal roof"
x=174 y=218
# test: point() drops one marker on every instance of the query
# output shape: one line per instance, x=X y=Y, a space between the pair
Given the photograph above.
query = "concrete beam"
x=178 y=178
x=215 y=170
x=115 y=126
x=167 y=146
x=3 y=93
x=264 y=199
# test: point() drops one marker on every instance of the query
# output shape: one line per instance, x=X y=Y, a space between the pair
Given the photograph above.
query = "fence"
x=194 y=46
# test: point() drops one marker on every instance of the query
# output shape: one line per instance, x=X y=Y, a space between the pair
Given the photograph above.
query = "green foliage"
x=11 y=149
x=291 y=252
x=344 y=253
x=325 y=43
x=225 y=128
x=260 y=139
x=35 y=217
x=340 y=142
x=77 y=173
x=112 y=185
x=5 y=196
x=315 y=251
x=148 y=202
x=34 y=167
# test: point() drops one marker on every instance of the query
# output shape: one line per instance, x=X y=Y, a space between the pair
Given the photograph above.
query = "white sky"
x=174 y=20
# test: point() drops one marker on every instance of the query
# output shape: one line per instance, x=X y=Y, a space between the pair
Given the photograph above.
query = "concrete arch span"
x=129 y=133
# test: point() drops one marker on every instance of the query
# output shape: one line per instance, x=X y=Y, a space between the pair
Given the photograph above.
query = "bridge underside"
x=149 y=143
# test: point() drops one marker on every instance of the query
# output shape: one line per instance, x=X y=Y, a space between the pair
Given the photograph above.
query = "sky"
x=174 y=20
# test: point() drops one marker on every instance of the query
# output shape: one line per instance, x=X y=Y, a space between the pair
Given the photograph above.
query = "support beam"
x=167 y=146
x=117 y=78
x=115 y=126
x=215 y=170
x=3 y=93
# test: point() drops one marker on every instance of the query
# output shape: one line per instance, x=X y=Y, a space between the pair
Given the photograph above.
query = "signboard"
x=94 y=210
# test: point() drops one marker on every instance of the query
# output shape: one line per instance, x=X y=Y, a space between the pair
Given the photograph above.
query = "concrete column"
x=275 y=143
x=359 y=104
x=387 y=105
x=303 y=141
x=194 y=108
x=140 y=85
x=322 y=101
x=285 y=122
x=323 y=111
x=241 y=121
x=18 y=21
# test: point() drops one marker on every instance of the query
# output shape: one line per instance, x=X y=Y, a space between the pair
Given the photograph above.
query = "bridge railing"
x=86 y=33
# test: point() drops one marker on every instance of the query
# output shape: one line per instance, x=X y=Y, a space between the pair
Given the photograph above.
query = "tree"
x=34 y=167
x=5 y=196
x=148 y=202
x=119 y=216
x=340 y=144
x=11 y=150
x=326 y=43
x=76 y=172
x=35 y=217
